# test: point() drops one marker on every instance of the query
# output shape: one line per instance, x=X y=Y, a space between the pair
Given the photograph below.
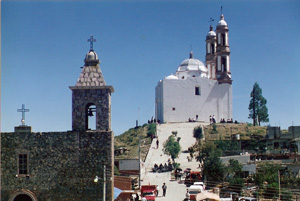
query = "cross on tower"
x=211 y=20
x=91 y=40
x=23 y=110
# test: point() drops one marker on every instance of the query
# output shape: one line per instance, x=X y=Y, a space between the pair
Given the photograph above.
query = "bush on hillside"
x=151 y=130
x=198 y=133
x=214 y=130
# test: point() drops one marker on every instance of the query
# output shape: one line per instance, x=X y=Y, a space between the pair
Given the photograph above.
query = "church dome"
x=91 y=58
x=192 y=64
x=211 y=33
x=91 y=55
x=222 y=22
x=171 y=77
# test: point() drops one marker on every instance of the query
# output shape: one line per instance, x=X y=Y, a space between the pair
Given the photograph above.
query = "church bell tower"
x=223 y=52
x=91 y=97
x=210 y=57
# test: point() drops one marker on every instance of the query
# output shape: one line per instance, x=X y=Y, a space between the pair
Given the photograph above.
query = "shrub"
x=151 y=129
x=171 y=147
x=214 y=129
x=198 y=133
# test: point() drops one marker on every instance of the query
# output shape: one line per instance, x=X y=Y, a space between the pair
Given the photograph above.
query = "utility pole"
x=140 y=162
x=279 y=183
x=104 y=183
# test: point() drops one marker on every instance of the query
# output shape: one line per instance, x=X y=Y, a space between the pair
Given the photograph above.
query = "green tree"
x=213 y=168
x=209 y=155
x=258 y=106
x=234 y=167
x=198 y=134
x=172 y=147
x=234 y=173
x=202 y=151
x=151 y=129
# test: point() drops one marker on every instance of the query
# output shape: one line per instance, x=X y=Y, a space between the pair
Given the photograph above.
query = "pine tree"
x=258 y=106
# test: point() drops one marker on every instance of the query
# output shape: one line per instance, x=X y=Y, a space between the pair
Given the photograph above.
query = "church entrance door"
x=23 y=197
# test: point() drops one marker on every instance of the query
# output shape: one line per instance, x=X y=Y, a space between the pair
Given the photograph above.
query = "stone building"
x=197 y=91
x=71 y=165
x=276 y=140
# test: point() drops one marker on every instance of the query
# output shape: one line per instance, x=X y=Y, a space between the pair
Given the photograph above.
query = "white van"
x=194 y=190
x=199 y=183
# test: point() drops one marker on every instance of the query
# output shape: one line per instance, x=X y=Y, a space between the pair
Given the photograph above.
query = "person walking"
x=157 y=143
x=187 y=195
x=164 y=187
x=137 y=198
x=157 y=189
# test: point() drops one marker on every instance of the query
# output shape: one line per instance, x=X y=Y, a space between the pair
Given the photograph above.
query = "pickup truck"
x=191 y=177
x=149 y=192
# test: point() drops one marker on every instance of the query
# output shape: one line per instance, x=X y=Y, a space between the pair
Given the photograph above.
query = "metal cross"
x=23 y=110
x=91 y=40
x=211 y=20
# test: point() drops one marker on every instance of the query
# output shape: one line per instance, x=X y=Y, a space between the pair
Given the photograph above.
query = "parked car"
x=194 y=190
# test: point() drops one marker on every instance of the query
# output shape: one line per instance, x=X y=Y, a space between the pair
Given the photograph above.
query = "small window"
x=223 y=64
x=182 y=77
x=23 y=163
x=212 y=48
x=197 y=91
x=223 y=40
x=173 y=108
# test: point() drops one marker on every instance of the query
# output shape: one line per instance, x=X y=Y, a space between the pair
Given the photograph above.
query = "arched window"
x=90 y=114
x=223 y=64
x=22 y=197
x=223 y=40
x=212 y=46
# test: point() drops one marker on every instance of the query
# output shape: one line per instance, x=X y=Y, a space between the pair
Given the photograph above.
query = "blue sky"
x=139 y=43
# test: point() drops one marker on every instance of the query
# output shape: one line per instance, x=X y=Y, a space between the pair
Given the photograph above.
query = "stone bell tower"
x=91 y=96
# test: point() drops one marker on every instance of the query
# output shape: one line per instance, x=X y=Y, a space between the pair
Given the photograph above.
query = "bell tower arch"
x=91 y=97
x=223 y=52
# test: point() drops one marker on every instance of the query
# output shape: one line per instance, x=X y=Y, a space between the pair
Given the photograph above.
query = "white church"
x=197 y=91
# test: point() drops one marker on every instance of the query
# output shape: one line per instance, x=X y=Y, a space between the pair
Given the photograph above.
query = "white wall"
x=215 y=99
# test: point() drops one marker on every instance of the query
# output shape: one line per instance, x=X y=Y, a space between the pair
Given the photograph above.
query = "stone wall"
x=62 y=165
x=82 y=97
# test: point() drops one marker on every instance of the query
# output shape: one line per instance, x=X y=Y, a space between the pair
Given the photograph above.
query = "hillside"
x=225 y=130
x=130 y=142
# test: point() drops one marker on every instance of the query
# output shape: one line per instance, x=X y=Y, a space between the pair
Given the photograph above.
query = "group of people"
x=163 y=168
x=228 y=121
x=212 y=119
x=192 y=119
x=153 y=120
x=164 y=188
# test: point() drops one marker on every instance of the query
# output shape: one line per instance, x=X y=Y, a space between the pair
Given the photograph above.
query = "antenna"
x=221 y=10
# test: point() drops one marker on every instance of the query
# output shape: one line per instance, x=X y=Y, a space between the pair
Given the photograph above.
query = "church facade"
x=197 y=91
x=72 y=165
